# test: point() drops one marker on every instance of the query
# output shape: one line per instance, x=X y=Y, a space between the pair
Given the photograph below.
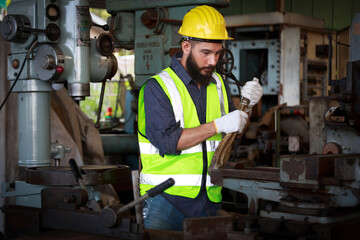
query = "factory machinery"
x=313 y=196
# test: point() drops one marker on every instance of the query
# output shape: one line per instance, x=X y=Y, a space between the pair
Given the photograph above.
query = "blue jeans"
x=160 y=214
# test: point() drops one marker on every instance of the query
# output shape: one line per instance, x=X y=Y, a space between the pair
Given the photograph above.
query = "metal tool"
x=110 y=215
x=77 y=174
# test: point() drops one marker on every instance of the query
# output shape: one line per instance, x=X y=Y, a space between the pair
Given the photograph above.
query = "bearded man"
x=183 y=112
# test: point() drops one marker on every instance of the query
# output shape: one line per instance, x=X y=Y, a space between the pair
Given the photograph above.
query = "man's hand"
x=231 y=122
x=253 y=91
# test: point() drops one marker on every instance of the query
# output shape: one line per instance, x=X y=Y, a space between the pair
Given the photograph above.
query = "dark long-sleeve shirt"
x=164 y=132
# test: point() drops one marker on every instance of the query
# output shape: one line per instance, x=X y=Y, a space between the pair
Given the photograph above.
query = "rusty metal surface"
x=311 y=171
x=92 y=174
x=255 y=191
x=89 y=222
x=347 y=168
x=207 y=228
x=255 y=173
x=63 y=198
x=271 y=18
x=154 y=234
x=263 y=173
x=309 y=218
x=306 y=169
x=331 y=148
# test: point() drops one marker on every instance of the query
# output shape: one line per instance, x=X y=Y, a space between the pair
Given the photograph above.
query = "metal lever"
x=97 y=124
x=77 y=174
x=110 y=215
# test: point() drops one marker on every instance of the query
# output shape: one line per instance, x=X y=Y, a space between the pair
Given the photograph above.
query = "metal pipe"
x=79 y=85
x=34 y=129
x=330 y=62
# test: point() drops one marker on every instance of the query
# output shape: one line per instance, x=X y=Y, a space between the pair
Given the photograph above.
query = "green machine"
x=151 y=28
x=50 y=47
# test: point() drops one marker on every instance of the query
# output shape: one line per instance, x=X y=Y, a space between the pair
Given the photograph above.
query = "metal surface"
x=78 y=91
x=290 y=66
x=48 y=58
x=34 y=129
x=317 y=134
x=345 y=136
x=347 y=169
x=124 y=29
x=92 y=174
x=153 y=46
x=272 y=47
x=101 y=67
x=331 y=148
x=63 y=198
x=321 y=186
x=309 y=170
x=25 y=194
x=273 y=18
x=308 y=218
x=125 y=6
x=88 y=222
x=215 y=227
x=136 y=192
x=255 y=191
x=10 y=29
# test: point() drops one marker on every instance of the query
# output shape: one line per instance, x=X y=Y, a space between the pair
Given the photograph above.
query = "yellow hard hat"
x=204 y=23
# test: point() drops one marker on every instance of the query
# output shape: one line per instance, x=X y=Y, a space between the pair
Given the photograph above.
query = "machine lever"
x=110 y=215
x=97 y=124
x=151 y=193
x=77 y=174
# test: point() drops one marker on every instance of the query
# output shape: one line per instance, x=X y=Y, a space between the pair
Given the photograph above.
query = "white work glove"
x=253 y=91
x=234 y=121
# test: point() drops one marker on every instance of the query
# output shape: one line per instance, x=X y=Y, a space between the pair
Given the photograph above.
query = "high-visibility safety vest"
x=187 y=168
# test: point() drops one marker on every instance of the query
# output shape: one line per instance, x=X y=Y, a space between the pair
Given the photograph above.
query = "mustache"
x=210 y=67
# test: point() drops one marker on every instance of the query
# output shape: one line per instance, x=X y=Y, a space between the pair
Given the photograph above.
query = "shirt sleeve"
x=230 y=101
x=162 y=130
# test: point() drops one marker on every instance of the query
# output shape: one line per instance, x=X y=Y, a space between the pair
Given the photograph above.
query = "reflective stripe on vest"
x=148 y=148
x=180 y=180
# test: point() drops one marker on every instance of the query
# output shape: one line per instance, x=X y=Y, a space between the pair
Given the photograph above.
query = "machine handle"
x=75 y=169
x=110 y=215
x=160 y=188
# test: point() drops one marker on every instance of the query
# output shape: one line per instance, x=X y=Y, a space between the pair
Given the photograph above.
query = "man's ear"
x=186 y=47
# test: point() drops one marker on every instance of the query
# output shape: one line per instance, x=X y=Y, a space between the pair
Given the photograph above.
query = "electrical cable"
x=12 y=87
x=17 y=77
x=340 y=43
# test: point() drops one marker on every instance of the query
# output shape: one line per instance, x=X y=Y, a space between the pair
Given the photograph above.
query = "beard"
x=195 y=71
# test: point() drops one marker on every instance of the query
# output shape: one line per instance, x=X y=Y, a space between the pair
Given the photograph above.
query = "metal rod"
x=136 y=191
x=330 y=62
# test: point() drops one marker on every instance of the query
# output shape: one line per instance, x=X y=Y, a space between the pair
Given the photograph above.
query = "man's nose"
x=212 y=60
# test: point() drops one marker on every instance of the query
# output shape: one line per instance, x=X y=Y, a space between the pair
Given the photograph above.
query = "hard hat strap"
x=185 y=38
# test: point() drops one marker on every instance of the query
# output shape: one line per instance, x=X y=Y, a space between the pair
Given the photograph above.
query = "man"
x=183 y=112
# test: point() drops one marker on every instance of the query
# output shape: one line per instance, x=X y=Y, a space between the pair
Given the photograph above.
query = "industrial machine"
x=308 y=196
x=51 y=49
